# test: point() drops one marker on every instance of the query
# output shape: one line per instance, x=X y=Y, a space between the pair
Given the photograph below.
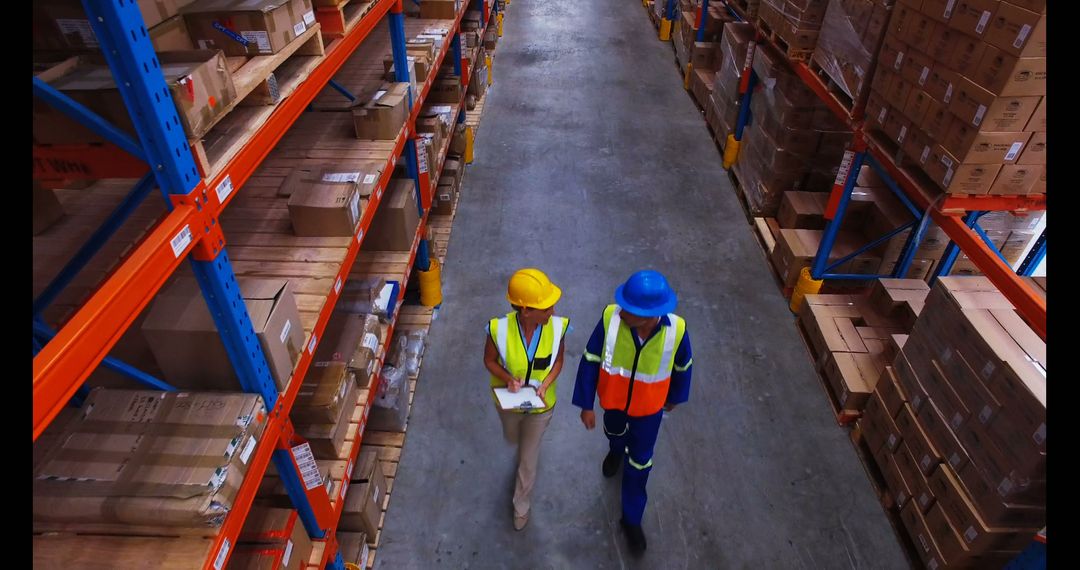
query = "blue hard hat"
x=646 y=294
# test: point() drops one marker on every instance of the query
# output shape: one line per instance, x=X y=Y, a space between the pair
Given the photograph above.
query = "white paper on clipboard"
x=524 y=399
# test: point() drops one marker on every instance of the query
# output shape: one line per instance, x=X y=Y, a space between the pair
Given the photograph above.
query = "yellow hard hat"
x=531 y=288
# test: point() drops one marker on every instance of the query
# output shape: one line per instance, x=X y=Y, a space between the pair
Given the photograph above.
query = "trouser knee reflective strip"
x=625 y=428
x=635 y=464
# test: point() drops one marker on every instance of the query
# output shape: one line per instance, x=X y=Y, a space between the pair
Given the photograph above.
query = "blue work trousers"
x=634 y=438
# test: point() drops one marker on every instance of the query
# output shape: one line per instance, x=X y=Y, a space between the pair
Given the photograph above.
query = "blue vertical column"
x=952 y=251
x=121 y=33
x=1034 y=257
x=704 y=17
x=832 y=227
x=455 y=45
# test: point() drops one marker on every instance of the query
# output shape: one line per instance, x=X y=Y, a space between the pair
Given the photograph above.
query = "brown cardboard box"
x=916 y=68
x=353 y=547
x=349 y=346
x=394 y=226
x=970 y=520
x=852 y=377
x=956 y=178
x=438 y=10
x=188 y=348
x=1004 y=74
x=918 y=104
x=969 y=145
x=445 y=91
x=920 y=491
x=267 y=26
x=327 y=440
x=942 y=83
x=940 y=432
x=1040 y=185
x=1037 y=122
x=963 y=53
x=1018 y=31
x=923 y=450
x=267 y=528
x=872 y=424
x=1016 y=179
x=897 y=125
x=802 y=210
x=909 y=381
x=46 y=209
x=199 y=82
x=363 y=174
x=889 y=296
x=981 y=108
x=939 y=10
x=171 y=35
x=921 y=536
x=383 y=117
x=936 y=124
x=325 y=204
x=118 y=461
x=1035 y=151
x=444 y=200
x=321 y=402
x=946 y=536
x=423 y=48
x=62 y=24
x=363 y=504
x=898 y=488
x=891 y=393
x=918 y=29
x=973 y=16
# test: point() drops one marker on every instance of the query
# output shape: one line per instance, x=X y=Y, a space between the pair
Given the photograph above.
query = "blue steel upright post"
x=126 y=46
x=1034 y=257
x=701 y=24
x=832 y=226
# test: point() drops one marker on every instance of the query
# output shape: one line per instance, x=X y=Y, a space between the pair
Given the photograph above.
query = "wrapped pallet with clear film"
x=850 y=39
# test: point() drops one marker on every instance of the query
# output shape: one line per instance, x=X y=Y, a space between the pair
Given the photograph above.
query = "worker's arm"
x=679 y=391
x=491 y=362
x=588 y=374
x=554 y=373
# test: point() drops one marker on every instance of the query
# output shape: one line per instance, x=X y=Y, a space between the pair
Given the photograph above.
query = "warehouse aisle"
x=592 y=162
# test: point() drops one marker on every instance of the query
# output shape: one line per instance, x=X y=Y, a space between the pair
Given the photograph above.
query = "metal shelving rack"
x=956 y=215
x=191 y=230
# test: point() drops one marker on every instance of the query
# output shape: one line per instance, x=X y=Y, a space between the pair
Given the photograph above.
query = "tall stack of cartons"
x=796 y=22
x=722 y=110
x=849 y=42
x=961 y=89
x=957 y=425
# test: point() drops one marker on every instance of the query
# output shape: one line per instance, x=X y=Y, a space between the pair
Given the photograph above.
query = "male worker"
x=639 y=360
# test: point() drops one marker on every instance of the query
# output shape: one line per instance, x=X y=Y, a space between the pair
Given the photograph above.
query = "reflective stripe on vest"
x=514 y=356
x=647 y=386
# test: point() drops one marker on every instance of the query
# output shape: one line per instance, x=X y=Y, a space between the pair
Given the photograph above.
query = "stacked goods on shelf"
x=449 y=188
x=1010 y=233
x=793 y=24
x=849 y=42
x=794 y=143
x=391 y=406
x=722 y=109
x=62 y=25
x=364 y=498
x=439 y=9
x=957 y=426
x=749 y=8
x=146 y=457
x=272 y=538
x=852 y=336
x=685 y=36
x=961 y=89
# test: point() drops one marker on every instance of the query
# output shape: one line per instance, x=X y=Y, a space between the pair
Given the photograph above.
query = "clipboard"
x=525 y=399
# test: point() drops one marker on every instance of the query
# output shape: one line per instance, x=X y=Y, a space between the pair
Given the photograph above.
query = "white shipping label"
x=925 y=154
x=181 y=240
x=245 y=455
x=337 y=285
x=364 y=553
x=903 y=134
x=379 y=94
x=899 y=60
x=948 y=162
x=344 y=488
x=1022 y=36
x=971 y=534
x=881 y=115
x=1040 y=434
x=299 y=28
x=948 y=93
x=979 y=114
x=224 y=188
x=309 y=470
x=749 y=56
x=359 y=235
x=422 y=162
x=341 y=176
x=370 y=179
x=285 y=330
x=845 y=168
x=370 y=341
x=957 y=420
x=354 y=207
x=80 y=28
x=223 y=553
x=922 y=77
x=984 y=415
x=981 y=26
x=314 y=341
x=288 y=553
x=947 y=179
x=1014 y=151
x=375 y=497
x=344 y=388
x=949 y=8
x=218 y=478
x=988 y=370
x=259 y=38
x=348 y=471
x=309 y=17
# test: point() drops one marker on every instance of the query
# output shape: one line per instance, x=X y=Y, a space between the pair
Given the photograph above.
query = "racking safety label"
x=309 y=470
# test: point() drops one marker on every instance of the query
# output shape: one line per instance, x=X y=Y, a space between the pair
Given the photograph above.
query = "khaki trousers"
x=525 y=431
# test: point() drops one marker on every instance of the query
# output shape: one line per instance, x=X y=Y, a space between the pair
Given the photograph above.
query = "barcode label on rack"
x=181 y=240
x=359 y=235
x=337 y=285
x=364 y=551
x=223 y=553
x=224 y=188
x=79 y=28
x=309 y=18
x=845 y=168
x=393 y=161
x=370 y=179
x=314 y=341
x=288 y=553
x=749 y=56
x=348 y=471
x=422 y=160
x=341 y=176
x=1014 y=150
x=299 y=28
x=344 y=488
x=309 y=470
x=246 y=454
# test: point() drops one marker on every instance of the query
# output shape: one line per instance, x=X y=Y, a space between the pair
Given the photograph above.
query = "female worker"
x=524 y=350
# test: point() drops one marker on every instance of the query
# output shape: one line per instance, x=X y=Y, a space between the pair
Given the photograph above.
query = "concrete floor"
x=592 y=162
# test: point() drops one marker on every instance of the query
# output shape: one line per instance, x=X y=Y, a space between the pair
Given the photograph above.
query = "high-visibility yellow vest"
x=631 y=381
x=510 y=343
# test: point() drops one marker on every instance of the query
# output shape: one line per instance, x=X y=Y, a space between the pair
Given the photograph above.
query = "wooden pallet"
x=794 y=54
x=472 y=117
x=339 y=17
x=767 y=231
x=256 y=79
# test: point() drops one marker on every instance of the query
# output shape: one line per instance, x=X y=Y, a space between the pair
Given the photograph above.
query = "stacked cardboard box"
x=850 y=39
x=794 y=143
x=958 y=426
x=796 y=22
x=364 y=497
x=272 y=538
x=961 y=90
x=688 y=46
x=722 y=110
x=146 y=457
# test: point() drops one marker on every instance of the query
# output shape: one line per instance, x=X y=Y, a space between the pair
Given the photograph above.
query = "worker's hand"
x=588 y=418
x=513 y=385
x=669 y=407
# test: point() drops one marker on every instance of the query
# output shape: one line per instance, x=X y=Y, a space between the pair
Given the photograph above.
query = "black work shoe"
x=635 y=536
x=612 y=463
